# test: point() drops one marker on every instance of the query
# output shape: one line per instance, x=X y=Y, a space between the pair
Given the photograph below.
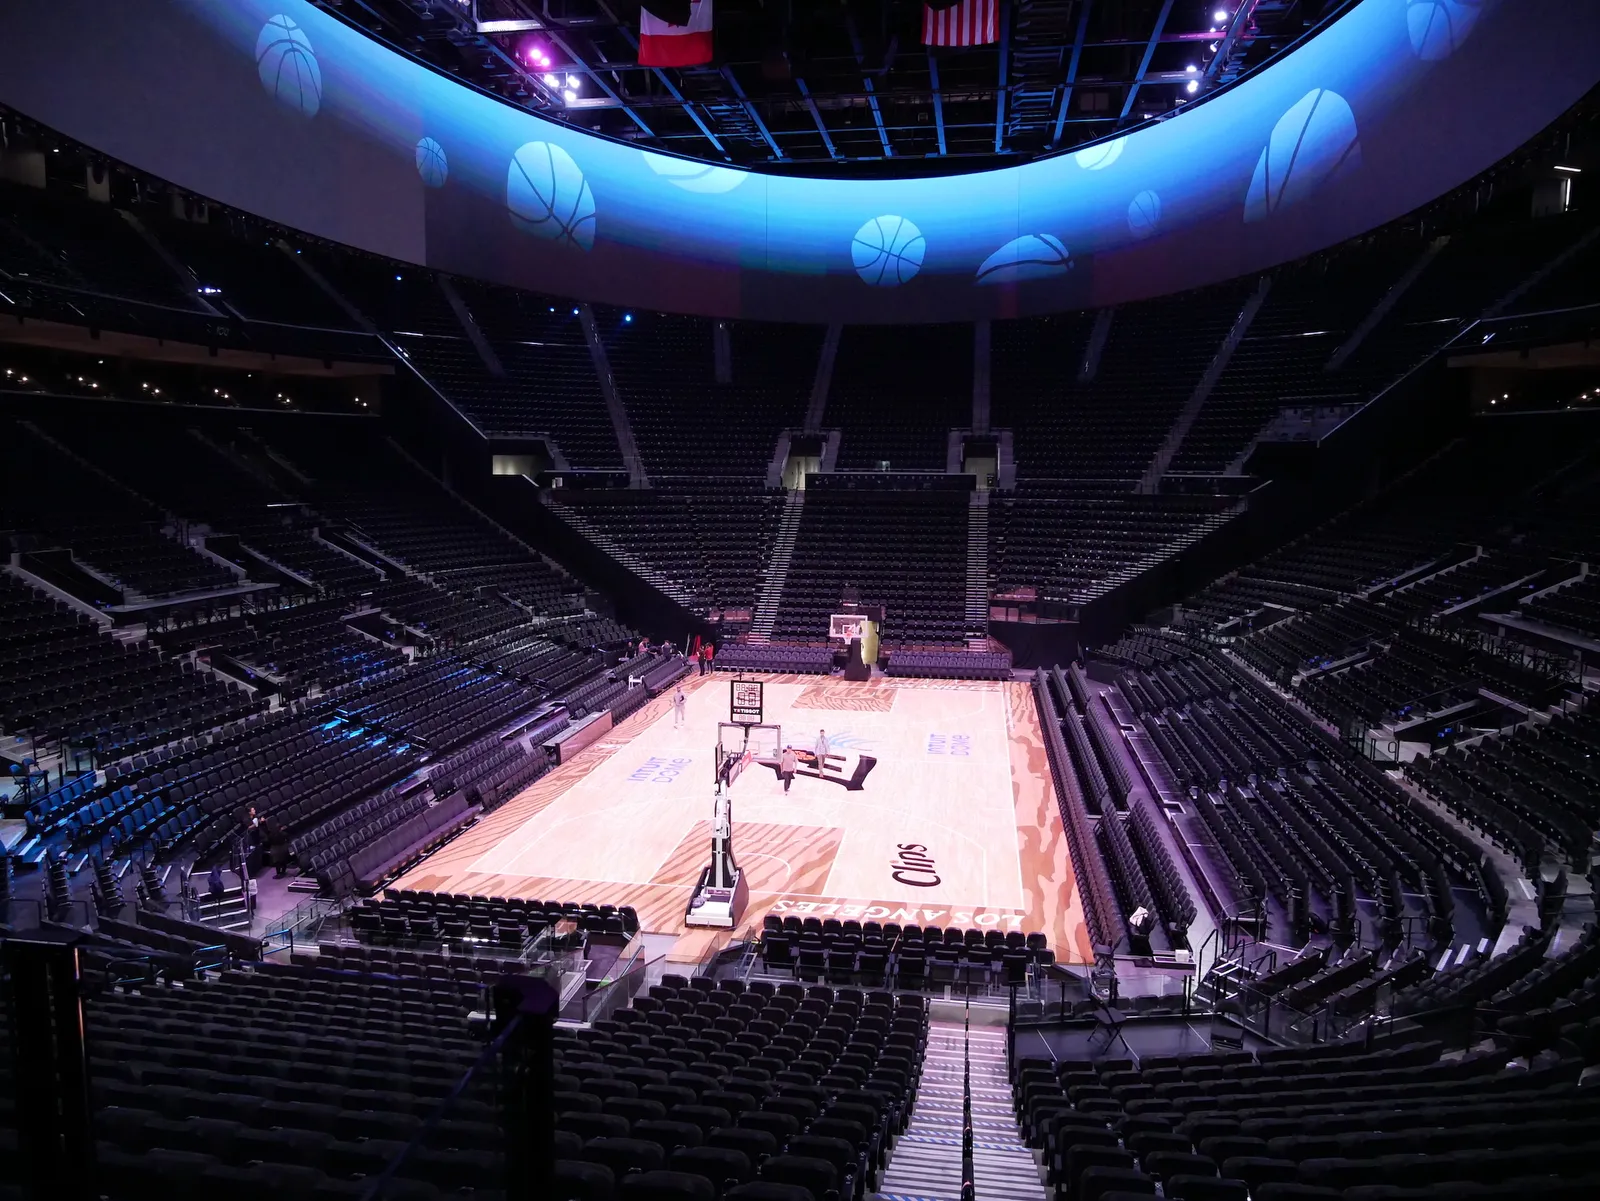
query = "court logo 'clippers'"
x=914 y=866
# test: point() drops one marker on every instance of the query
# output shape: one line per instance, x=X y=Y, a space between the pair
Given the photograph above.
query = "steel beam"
x=1241 y=18
x=816 y=115
x=1000 y=87
x=1072 y=69
x=938 y=101
x=1144 y=63
x=866 y=83
x=761 y=126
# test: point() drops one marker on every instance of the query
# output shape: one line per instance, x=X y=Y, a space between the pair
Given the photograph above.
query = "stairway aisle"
x=926 y=1163
x=977 y=598
x=777 y=572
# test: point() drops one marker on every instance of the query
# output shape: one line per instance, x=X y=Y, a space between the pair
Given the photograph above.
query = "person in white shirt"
x=822 y=750
x=679 y=702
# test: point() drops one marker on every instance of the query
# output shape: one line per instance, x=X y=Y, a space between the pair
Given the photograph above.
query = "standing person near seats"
x=215 y=886
x=787 y=763
x=277 y=847
x=679 y=701
x=822 y=750
x=708 y=654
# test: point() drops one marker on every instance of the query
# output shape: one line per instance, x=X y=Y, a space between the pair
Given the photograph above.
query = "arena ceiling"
x=846 y=87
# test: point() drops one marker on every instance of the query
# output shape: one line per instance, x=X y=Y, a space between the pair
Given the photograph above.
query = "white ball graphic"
x=1101 y=156
x=1032 y=256
x=288 y=66
x=691 y=176
x=1438 y=27
x=548 y=196
x=1311 y=143
x=1144 y=214
x=431 y=163
x=887 y=251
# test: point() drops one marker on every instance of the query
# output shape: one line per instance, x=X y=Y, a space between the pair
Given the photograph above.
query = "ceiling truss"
x=845 y=86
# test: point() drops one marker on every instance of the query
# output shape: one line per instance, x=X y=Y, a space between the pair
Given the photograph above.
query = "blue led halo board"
x=278 y=108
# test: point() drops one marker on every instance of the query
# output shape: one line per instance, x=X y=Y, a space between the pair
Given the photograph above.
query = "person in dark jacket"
x=277 y=848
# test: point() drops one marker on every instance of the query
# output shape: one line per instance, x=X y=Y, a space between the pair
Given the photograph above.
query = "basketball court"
x=935 y=808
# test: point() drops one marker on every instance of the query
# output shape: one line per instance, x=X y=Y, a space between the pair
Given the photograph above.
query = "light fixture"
x=1219 y=16
x=397 y=279
x=1570 y=170
x=552 y=80
x=573 y=81
x=1192 y=86
x=569 y=95
x=627 y=318
x=1191 y=68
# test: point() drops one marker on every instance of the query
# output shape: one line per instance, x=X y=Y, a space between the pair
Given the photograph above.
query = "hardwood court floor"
x=960 y=771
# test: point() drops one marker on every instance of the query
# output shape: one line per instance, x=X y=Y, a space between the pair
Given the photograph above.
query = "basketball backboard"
x=742 y=745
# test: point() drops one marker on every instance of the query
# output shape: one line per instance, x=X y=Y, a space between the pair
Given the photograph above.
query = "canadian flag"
x=662 y=44
x=966 y=23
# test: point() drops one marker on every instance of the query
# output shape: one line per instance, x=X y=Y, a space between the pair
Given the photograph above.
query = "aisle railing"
x=969 y=1188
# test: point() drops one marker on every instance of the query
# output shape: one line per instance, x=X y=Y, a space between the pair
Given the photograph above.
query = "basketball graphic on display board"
x=1438 y=27
x=547 y=195
x=431 y=163
x=887 y=251
x=1032 y=256
x=692 y=176
x=1311 y=143
x=1144 y=214
x=288 y=66
x=1098 y=158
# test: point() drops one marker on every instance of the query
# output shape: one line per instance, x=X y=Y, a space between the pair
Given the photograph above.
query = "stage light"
x=627 y=318
x=574 y=312
x=569 y=95
x=397 y=279
x=1219 y=16
x=573 y=81
x=551 y=80
x=1192 y=86
x=1191 y=68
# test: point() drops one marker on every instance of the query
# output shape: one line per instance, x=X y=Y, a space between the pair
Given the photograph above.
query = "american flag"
x=969 y=23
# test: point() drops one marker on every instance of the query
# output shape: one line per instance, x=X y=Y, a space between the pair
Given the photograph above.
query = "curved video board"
x=275 y=107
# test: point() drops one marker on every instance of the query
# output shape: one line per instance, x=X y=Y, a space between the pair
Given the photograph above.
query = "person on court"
x=679 y=702
x=787 y=763
x=822 y=750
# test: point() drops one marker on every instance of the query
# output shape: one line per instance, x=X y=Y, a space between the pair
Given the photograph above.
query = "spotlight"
x=574 y=312
x=1191 y=68
x=569 y=95
x=397 y=279
x=1192 y=86
x=573 y=81
x=552 y=80
x=1219 y=16
x=627 y=318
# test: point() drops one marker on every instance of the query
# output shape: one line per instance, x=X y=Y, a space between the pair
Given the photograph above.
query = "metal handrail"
x=969 y=1187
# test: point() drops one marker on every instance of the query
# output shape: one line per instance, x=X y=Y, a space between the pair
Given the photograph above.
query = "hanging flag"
x=966 y=23
x=665 y=45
